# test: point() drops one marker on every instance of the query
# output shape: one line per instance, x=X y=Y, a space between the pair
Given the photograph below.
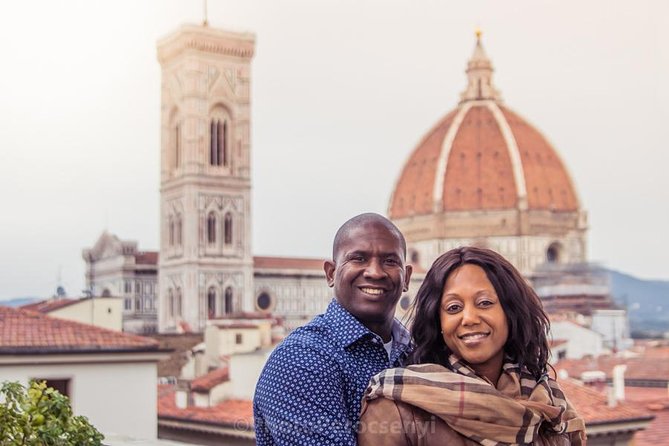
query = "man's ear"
x=329 y=268
x=407 y=277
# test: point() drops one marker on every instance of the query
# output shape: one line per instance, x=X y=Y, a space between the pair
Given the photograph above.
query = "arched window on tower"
x=178 y=303
x=213 y=143
x=177 y=145
x=227 y=229
x=178 y=230
x=211 y=303
x=170 y=302
x=170 y=229
x=228 y=300
x=222 y=143
x=211 y=228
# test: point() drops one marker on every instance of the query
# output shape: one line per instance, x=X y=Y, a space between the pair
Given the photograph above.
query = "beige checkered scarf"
x=517 y=412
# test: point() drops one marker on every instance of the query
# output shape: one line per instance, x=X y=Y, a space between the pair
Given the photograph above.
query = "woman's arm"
x=382 y=424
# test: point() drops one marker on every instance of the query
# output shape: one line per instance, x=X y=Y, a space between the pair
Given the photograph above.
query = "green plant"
x=38 y=415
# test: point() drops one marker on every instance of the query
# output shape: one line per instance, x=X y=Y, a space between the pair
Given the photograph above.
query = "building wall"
x=105 y=312
x=244 y=373
x=522 y=237
x=111 y=270
x=614 y=327
x=116 y=398
x=581 y=341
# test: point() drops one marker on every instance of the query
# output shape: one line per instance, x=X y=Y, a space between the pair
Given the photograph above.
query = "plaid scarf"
x=511 y=414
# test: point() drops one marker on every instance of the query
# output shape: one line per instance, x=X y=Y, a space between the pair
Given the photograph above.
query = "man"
x=310 y=390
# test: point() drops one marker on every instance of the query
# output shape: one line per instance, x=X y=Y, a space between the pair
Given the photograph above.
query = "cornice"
x=206 y=40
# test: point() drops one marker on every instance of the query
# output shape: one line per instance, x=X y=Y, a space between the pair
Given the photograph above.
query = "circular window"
x=264 y=301
x=405 y=302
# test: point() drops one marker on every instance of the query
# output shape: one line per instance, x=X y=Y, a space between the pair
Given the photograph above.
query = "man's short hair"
x=362 y=220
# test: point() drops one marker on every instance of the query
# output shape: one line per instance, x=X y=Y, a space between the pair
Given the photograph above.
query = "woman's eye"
x=486 y=303
x=453 y=308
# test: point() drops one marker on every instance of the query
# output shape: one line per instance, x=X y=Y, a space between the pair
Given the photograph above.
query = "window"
x=138 y=303
x=177 y=143
x=222 y=143
x=62 y=385
x=228 y=300
x=553 y=253
x=218 y=143
x=178 y=303
x=211 y=302
x=177 y=235
x=127 y=287
x=170 y=226
x=127 y=304
x=211 y=228
x=264 y=301
x=170 y=302
x=138 y=287
x=213 y=143
x=106 y=293
x=227 y=229
x=238 y=338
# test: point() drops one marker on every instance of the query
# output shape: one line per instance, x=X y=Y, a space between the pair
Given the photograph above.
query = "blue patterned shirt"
x=310 y=391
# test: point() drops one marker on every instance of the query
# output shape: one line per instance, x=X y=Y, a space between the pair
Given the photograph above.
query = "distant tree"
x=40 y=416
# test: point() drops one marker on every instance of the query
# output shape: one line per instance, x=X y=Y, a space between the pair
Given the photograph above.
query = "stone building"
x=484 y=176
x=115 y=267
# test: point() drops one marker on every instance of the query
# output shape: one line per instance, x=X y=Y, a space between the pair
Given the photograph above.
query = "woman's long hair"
x=527 y=343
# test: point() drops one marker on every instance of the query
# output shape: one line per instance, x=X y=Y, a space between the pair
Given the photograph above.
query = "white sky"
x=342 y=92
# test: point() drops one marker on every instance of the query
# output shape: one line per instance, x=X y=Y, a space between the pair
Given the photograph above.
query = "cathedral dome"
x=484 y=176
x=482 y=156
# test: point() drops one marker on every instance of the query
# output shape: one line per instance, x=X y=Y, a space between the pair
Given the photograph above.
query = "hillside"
x=647 y=301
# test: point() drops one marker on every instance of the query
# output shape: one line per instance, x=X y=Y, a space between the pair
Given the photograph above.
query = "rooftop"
x=233 y=413
x=24 y=331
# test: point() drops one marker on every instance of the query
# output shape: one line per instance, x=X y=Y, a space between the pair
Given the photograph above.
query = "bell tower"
x=206 y=262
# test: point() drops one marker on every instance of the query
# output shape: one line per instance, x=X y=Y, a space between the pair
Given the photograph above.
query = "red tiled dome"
x=482 y=156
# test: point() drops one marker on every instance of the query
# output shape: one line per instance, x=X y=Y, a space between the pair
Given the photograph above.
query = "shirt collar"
x=348 y=330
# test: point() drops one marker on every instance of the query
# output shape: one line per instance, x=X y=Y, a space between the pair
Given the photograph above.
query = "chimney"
x=619 y=382
x=181 y=395
x=181 y=399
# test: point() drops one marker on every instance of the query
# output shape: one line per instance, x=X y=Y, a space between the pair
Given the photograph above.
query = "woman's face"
x=473 y=322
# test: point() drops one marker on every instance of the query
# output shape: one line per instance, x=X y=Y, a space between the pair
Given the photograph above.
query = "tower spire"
x=479 y=75
x=205 y=22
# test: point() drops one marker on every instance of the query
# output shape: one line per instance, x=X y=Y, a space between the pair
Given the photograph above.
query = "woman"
x=480 y=365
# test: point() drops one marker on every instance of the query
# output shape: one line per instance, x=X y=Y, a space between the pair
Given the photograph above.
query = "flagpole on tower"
x=205 y=22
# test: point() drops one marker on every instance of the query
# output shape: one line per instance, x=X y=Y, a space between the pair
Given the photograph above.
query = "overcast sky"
x=342 y=91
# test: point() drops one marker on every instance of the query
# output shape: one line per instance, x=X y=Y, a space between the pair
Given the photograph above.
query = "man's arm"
x=300 y=400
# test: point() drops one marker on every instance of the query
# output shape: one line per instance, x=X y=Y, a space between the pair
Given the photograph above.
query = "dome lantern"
x=479 y=76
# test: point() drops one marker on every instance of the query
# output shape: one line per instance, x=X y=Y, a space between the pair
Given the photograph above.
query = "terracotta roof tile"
x=593 y=406
x=288 y=263
x=210 y=380
x=548 y=183
x=236 y=413
x=656 y=401
x=479 y=173
x=146 y=258
x=414 y=189
x=49 y=305
x=24 y=331
x=649 y=366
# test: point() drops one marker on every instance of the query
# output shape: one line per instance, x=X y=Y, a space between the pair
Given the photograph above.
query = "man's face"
x=368 y=273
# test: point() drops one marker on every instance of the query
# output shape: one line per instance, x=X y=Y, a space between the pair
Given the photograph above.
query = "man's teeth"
x=374 y=291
